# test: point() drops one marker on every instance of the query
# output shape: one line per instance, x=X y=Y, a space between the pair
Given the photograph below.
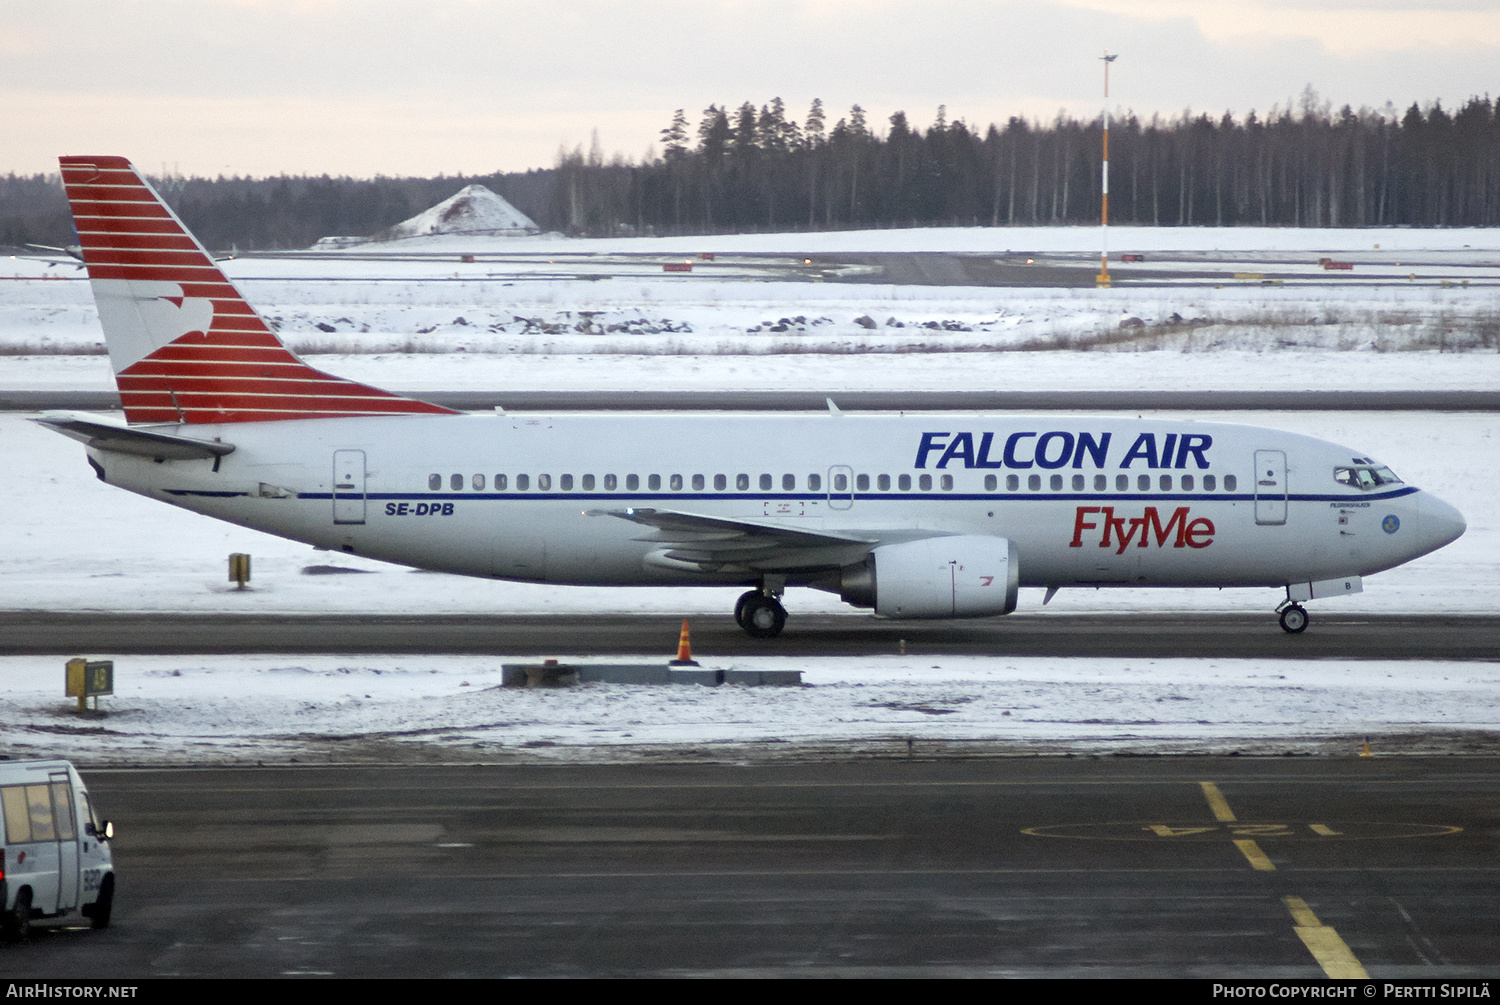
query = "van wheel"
x=101 y=908
x=16 y=923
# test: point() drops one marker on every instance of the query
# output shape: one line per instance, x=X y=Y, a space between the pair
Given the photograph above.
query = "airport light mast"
x=1103 y=276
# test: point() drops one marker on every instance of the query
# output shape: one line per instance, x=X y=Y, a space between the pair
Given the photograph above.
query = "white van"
x=55 y=860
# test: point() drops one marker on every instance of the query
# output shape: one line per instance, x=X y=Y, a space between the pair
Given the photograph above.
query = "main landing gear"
x=760 y=614
x=1293 y=617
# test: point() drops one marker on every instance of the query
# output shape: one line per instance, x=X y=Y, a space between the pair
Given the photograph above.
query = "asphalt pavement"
x=1123 y=867
x=1129 y=635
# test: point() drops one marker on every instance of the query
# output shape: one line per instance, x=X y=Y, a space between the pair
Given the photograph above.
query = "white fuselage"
x=1084 y=499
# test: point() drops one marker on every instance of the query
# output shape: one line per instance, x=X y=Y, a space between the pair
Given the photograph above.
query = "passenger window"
x=1187 y=483
x=500 y=483
x=815 y=483
x=1100 y=483
x=523 y=482
x=720 y=483
x=544 y=483
x=1012 y=483
x=478 y=483
x=1230 y=483
x=1209 y=483
x=1122 y=482
x=62 y=810
x=675 y=483
x=588 y=483
x=1166 y=483
x=17 y=817
x=565 y=482
x=697 y=483
x=653 y=482
x=39 y=803
x=883 y=483
x=925 y=483
x=788 y=482
x=1034 y=483
x=841 y=483
x=1078 y=483
x=456 y=482
x=765 y=483
x=632 y=483
x=1056 y=482
x=434 y=482
x=1143 y=483
x=991 y=483
x=862 y=483
x=946 y=483
x=742 y=482
x=610 y=483
x=904 y=483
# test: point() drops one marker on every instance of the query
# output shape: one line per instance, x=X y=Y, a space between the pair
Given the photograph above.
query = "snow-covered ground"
x=998 y=240
x=248 y=709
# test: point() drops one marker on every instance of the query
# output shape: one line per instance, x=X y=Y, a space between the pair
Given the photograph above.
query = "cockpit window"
x=1365 y=479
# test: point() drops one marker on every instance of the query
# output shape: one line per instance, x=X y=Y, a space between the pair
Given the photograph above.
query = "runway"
x=1136 y=635
x=1200 y=868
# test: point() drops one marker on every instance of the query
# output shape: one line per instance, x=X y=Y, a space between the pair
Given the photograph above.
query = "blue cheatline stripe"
x=634 y=499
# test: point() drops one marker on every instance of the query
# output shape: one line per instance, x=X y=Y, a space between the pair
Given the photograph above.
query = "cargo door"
x=1270 y=486
x=66 y=824
x=348 y=486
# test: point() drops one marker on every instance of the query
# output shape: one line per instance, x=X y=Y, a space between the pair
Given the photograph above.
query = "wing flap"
x=709 y=544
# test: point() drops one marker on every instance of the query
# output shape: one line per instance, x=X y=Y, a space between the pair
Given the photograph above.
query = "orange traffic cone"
x=684 y=649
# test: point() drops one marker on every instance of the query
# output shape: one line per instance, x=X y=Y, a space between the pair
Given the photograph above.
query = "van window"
x=17 y=817
x=62 y=808
x=28 y=813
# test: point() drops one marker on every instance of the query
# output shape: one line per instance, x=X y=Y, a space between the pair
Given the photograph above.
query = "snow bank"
x=248 y=709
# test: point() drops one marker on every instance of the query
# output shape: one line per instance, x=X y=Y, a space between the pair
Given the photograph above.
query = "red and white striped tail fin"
x=185 y=345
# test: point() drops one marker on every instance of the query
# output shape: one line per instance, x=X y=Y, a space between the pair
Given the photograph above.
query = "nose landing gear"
x=1293 y=617
x=760 y=614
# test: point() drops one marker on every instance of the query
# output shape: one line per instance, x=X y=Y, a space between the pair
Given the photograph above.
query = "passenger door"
x=348 y=486
x=1270 y=487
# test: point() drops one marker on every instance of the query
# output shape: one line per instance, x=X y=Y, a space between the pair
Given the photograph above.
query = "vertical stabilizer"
x=184 y=344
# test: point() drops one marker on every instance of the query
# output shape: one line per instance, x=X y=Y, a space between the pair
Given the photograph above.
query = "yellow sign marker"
x=1332 y=953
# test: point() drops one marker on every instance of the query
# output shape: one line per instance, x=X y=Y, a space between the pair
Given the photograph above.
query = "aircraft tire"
x=1294 y=619
x=739 y=606
x=764 y=617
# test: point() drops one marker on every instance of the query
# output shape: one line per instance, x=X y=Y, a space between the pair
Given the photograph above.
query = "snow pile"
x=473 y=210
x=228 y=709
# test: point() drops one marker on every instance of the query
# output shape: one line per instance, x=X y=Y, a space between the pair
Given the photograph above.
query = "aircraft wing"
x=103 y=435
x=714 y=544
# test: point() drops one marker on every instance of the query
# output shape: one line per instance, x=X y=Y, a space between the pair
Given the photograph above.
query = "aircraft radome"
x=938 y=515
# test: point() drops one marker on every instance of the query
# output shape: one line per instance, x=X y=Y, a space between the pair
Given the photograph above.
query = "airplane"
x=922 y=515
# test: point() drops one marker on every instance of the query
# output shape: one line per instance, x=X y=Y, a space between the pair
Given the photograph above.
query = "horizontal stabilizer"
x=104 y=435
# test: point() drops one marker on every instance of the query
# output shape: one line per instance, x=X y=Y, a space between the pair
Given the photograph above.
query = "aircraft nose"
x=1439 y=523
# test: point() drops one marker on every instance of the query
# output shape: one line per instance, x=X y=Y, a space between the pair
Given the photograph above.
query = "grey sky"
x=375 y=86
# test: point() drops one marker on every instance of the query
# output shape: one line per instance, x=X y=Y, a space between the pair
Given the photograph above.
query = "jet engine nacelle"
x=964 y=576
